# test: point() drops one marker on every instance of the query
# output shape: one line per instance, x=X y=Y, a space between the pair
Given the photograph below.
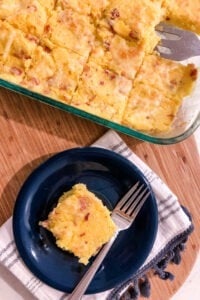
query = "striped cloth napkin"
x=174 y=227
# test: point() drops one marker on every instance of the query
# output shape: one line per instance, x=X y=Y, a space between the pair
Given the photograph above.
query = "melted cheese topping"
x=169 y=77
x=135 y=20
x=70 y=30
x=115 y=53
x=80 y=223
x=149 y=110
x=102 y=92
x=54 y=72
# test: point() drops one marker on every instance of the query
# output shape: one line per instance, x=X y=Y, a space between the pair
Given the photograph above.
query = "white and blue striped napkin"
x=173 y=230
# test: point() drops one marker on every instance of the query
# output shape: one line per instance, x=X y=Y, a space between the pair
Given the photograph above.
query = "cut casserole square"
x=170 y=77
x=102 y=92
x=68 y=29
x=29 y=16
x=149 y=110
x=55 y=72
x=16 y=50
x=80 y=223
x=158 y=91
x=135 y=20
x=116 y=53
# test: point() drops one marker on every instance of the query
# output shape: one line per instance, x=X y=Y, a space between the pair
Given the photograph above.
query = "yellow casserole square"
x=68 y=29
x=15 y=42
x=184 y=13
x=116 y=53
x=54 y=73
x=16 y=50
x=135 y=20
x=80 y=223
x=29 y=16
x=13 y=69
x=170 y=77
x=102 y=92
x=149 y=110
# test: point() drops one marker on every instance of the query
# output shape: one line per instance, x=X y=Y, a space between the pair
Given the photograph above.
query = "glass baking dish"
x=185 y=123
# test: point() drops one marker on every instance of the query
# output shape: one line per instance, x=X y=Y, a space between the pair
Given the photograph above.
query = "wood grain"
x=31 y=131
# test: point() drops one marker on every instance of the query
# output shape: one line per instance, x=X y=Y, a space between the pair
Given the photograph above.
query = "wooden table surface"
x=31 y=131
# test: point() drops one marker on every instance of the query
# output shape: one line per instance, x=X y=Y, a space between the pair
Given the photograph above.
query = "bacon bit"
x=87 y=217
x=101 y=82
x=110 y=74
x=134 y=35
x=107 y=45
x=173 y=82
x=114 y=14
x=107 y=72
x=167 y=18
x=34 y=81
x=63 y=87
x=16 y=71
x=194 y=73
x=47 y=49
x=82 y=234
x=86 y=68
x=47 y=28
x=22 y=54
x=46 y=91
x=32 y=8
x=32 y=38
x=83 y=203
x=91 y=99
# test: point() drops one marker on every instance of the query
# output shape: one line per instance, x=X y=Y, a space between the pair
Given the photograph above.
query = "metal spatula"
x=177 y=44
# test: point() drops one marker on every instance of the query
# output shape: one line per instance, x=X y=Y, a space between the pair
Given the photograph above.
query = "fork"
x=123 y=216
x=177 y=44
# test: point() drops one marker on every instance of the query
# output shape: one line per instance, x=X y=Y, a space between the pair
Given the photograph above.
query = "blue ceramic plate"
x=109 y=176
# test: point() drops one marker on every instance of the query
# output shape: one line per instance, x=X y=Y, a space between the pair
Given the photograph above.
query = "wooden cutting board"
x=31 y=132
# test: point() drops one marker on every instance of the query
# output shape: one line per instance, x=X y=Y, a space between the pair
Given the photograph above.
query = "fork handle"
x=81 y=287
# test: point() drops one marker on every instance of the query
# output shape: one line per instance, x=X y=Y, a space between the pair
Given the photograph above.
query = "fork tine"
x=135 y=201
x=171 y=53
x=177 y=44
x=164 y=27
x=138 y=208
x=168 y=43
x=131 y=199
x=127 y=195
